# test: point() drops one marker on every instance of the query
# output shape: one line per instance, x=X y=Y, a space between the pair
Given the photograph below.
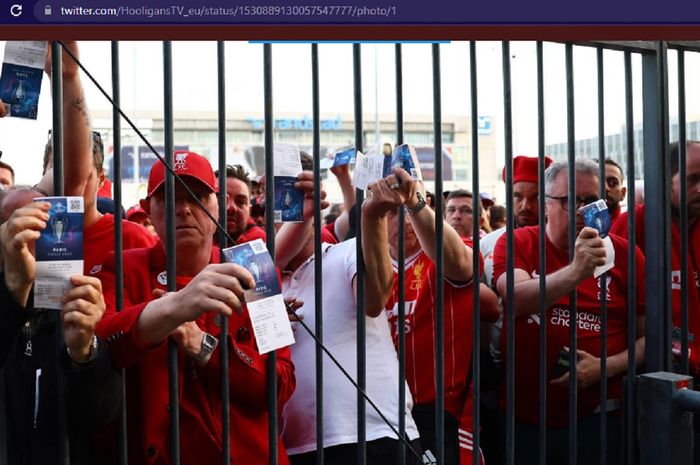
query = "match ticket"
x=20 y=80
x=265 y=303
x=59 y=250
x=289 y=201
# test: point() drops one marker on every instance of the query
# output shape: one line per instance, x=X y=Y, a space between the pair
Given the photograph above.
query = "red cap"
x=187 y=164
x=525 y=168
x=135 y=211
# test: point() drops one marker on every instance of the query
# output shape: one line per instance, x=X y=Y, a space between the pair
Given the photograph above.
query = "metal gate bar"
x=603 y=282
x=361 y=335
x=476 y=203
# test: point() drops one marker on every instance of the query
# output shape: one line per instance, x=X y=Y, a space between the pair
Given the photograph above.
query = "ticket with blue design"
x=20 y=80
x=404 y=156
x=59 y=250
x=597 y=216
x=265 y=304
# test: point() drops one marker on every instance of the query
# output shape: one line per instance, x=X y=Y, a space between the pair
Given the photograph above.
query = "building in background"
x=197 y=131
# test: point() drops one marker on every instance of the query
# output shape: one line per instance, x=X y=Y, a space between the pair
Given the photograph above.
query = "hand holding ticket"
x=265 y=304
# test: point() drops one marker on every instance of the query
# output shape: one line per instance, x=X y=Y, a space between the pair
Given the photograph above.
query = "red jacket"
x=199 y=388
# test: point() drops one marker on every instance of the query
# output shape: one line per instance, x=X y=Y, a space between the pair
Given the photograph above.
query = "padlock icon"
x=47 y=10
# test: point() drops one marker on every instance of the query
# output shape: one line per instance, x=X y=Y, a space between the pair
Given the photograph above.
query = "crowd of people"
x=102 y=347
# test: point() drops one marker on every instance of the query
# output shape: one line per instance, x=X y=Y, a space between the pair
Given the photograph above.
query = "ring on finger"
x=394 y=186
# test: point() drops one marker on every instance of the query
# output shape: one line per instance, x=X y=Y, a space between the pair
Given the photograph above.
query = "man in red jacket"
x=190 y=316
x=693 y=198
x=563 y=276
x=239 y=224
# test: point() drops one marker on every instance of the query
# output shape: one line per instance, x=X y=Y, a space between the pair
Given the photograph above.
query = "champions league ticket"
x=289 y=201
x=265 y=303
x=59 y=250
x=404 y=156
x=20 y=80
x=597 y=216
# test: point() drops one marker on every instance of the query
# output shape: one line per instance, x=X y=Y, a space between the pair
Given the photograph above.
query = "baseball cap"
x=134 y=212
x=486 y=198
x=525 y=168
x=186 y=164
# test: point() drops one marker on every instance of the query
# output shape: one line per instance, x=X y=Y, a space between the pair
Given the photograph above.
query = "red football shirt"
x=98 y=241
x=527 y=366
x=251 y=232
x=420 y=332
x=620 y=228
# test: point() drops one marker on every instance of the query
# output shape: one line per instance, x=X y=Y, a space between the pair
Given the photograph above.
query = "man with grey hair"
x=563 y=276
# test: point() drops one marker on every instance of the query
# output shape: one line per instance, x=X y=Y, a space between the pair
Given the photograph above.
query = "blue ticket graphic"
x=62 y=239
x=289 y=201
x=254 y=257
x=404 y=156
x=19 y=89
x=597 y=216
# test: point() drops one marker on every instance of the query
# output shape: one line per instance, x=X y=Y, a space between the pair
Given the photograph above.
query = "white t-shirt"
x=487 y=245
x=298 y=427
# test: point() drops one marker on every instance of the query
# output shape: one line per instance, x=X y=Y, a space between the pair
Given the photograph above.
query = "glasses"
x=462 y=211
x=580 y=201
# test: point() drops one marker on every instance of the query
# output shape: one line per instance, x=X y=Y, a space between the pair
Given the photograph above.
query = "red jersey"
x=420 y=332
x=200 y=387
x=588 y=331
x=327 y=236
x=328 y=232
x=251 y=232
x=620 y=228
x=98 y=241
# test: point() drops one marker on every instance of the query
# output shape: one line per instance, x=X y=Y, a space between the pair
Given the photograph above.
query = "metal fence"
x=657 y=224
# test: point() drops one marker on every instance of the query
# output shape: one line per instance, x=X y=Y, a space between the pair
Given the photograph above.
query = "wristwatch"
x=91 y=356
x=209 y=343
x=417 y=207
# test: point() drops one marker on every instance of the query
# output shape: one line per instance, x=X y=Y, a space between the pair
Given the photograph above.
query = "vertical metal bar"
x=439 y=265
x=543 y=254
x=270 y=230
x=57 y=133
x=476 y=264
x=318 y=265
x=682 y=168
x=58 y=189
x=630 y=426
x=662 y=72
x=223 y=336
x=510 y=309
x=571 y=158
x=173 y=385
x=118 y=247
x=401 y=267
x=603 y=282
x=359 y=197
x=654 y=227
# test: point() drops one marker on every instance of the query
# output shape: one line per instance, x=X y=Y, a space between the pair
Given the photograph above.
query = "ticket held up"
x=59 y=251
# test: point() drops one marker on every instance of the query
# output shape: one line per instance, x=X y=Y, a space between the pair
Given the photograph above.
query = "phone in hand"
x=561 y=367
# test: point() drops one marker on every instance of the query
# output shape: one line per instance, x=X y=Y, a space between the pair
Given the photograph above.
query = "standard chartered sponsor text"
x=352 y=11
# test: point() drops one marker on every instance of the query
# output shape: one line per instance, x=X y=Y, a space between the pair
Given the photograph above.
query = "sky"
x=194 y=87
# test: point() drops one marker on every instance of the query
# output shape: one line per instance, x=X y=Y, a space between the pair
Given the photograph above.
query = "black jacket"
x=34 y=364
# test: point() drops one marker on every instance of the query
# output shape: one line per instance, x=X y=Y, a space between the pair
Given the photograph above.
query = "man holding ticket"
x=339 y=304
x=597 y=256
x=29 y=358
x=137 y=336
